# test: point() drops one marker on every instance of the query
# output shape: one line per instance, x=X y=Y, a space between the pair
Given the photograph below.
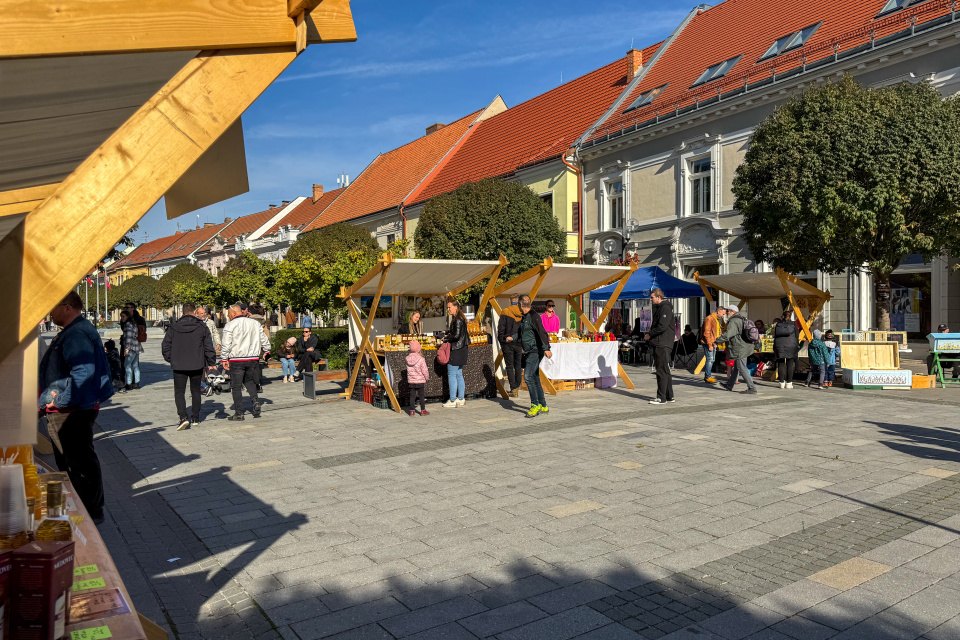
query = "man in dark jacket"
x=508 y=335
x=535 y=344
x=188 y=347
x=662 y=335
x=306 y=352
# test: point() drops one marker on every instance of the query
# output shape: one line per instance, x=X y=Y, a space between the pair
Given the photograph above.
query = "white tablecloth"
x=581 y=360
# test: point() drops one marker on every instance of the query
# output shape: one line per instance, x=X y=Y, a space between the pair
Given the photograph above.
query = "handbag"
x=443 y=353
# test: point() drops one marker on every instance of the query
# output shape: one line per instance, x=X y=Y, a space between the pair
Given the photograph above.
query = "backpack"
x=749 y=332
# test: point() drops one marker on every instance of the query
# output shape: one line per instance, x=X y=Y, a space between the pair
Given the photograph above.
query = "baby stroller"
x=218 y=381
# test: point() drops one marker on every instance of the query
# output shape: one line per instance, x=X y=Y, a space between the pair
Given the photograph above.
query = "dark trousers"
x=307 y=360
x=417 y=391
x=739 y=368
x=513 y=359
x=785 y=369
x=242 y=374
x=817 y=372
x=79 y=458
x=661 y=363
x=180 y=379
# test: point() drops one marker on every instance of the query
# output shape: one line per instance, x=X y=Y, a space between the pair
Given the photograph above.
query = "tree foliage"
x=309 y=284
x=844 y=177
x=325 y=244
x=138 y=291
x=165 y=294
x=481 y=220
x=249 y=278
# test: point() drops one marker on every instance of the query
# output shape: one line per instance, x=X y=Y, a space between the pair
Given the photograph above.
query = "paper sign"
x=95 y=633
x=82 y=571
x=99 y=604
x=94 y=583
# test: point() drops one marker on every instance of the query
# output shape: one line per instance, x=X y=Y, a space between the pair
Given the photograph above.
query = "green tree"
x=310 y=284
x=249 y=278
x=165 y=295
x=327 y=243
x=844 y=177
x=481 y=220
x=138 y=291
x=204 y=292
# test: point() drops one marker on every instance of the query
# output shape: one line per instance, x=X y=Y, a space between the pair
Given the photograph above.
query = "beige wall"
x=653 y=191
x=733 y=155
x=590 y=207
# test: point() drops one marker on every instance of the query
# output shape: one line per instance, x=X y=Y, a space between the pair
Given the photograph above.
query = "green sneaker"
x=544 y=409
x=534 y=410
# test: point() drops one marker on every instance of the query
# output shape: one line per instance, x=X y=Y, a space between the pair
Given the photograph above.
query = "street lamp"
x=626 y=232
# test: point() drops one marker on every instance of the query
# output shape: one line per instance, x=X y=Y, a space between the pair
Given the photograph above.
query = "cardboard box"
x=42 y=581
x=924 y=382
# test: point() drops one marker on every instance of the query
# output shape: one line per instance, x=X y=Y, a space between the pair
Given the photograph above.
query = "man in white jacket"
x=241 y=346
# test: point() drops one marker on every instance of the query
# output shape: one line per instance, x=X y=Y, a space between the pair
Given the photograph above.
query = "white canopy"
x=427 y=277
x=758 y=285
x=562 y=280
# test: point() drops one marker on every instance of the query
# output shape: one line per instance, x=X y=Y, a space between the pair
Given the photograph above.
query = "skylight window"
x=717 y=71
x=895 y=5
x=646 y=98
x=791 y=41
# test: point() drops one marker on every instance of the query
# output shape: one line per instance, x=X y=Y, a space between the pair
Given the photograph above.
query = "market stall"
x=641 y=283
x=391 y=292
x=575 y=357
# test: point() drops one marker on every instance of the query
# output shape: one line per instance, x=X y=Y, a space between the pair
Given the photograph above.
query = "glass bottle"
x=56 y=526
x=31 y=484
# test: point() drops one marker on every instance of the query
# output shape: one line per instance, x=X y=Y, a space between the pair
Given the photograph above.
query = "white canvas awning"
x=427 y=277
x=759 y=285
x=562 y=280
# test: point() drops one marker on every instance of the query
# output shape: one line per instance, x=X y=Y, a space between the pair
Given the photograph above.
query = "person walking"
x=738 y=349
x=243 y=343
x=709 y=332
x=188 y=348
x=74 y=379
x=459 y=341
x=205 y=315
x=132 y=348
x=786 y=348
x=307 y=322
x=508 y=335
x=535 y=342
x=288 y=359
x=290 y=318
x=818 y=353
x=662 y=335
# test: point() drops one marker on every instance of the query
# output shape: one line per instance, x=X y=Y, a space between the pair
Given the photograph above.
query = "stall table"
x=478 y=374
x=581 y=360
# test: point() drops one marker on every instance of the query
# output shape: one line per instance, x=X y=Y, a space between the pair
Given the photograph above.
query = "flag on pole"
x=89 y=282
x=108 y=284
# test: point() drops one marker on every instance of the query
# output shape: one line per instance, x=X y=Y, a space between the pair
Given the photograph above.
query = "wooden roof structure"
x=107 y=108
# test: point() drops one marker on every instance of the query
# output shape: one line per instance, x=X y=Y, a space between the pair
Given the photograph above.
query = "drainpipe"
x=563 y=159
x=404 y=217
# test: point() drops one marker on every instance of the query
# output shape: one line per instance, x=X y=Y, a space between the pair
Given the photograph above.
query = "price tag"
x=94 y=583
x=82 y=571
x=94 y=633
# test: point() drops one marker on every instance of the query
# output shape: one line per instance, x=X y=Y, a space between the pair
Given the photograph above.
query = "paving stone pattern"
x=788 y=514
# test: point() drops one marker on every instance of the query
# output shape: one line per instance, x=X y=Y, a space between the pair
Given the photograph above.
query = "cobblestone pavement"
x=789 y=514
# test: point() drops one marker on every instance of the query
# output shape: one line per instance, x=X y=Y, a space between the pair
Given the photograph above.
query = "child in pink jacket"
x=417 y=376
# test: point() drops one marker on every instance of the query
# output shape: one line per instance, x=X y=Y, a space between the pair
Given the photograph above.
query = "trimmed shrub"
x=337 y=356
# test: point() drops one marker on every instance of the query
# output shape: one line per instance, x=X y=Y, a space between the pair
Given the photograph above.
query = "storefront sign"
x=892 y=378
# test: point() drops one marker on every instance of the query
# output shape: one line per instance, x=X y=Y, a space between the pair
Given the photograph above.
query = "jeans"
x=661 y=363
x=531 y=375
x=289 y=366
x=709 y=356
x=132 y=365
x=513 y=359
x=457 y=384
x=785 y=369
x=180 y=379
x=79 y=458
x=417 y=391
x=739 y=367
x=243 y=374
x=290 y=326
x=820 y=370
x=831 y=372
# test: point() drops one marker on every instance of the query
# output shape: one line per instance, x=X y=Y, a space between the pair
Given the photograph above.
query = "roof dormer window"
x=717 y=71
x=646 y=98
x=896 y=5
x=791 y=41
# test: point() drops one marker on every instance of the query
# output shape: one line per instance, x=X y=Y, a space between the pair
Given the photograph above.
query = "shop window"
x=614 y=208
x=701 y=185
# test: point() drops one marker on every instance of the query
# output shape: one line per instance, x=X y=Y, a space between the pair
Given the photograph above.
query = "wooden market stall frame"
x=381 y=270
x=540 y=273
x=786 y=279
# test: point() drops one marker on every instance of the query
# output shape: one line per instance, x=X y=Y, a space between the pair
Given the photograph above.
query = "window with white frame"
x=614 y=204
x=701 y=185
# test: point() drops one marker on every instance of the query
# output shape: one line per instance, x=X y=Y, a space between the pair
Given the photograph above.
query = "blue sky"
x=415 y=63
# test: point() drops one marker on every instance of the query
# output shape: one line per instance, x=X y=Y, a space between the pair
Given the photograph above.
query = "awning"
x=646 y=279
x=426 y=277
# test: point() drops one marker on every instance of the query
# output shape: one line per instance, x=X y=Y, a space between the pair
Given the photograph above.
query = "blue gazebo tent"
x=644 y=280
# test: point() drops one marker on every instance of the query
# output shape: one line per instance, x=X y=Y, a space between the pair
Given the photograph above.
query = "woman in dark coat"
x=786 y=348
x=459 y=341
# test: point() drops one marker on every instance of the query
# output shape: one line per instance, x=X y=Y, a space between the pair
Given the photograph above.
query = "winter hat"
x=291 y=341
x=817 y=334
x=414 y=346
x=732 y=308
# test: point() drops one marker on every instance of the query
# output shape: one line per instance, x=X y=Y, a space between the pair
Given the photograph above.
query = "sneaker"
x=194 y=423
x=783 y=385
x=657 y=401
x=789 y=385
x=749 y=391
x=450 y=404
x=544 y=409
x=710 y=380
x=514 y=393
x=671 y=400
x=184 y=423
x=256 y=410
x=236 y=416
x=412 y=413
x=461 y=402
x=424 y=413
x=534 y=410
x=819 y=387
x=98 y=518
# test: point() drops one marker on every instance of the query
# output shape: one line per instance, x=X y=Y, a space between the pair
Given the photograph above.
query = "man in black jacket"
x=306 y=352
x=188 y=347
x=662 y=335
x=535 y=343
x=508 y=335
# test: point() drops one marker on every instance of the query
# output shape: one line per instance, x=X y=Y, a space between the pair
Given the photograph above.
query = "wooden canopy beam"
x=793 y=304
x=109 y=192
x=615 y=296
x=486 y=274
x=532 y=272
x=21 y=201
x=39 y=28
x=491 y=285
x=605 y=281
x=544 y=270
x=812 y=290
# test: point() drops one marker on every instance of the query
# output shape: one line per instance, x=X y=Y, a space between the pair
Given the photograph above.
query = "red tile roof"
x=186 y=243
x=749 y=28
x=540 y=129
x=248 y=224
x=305 y=212
x=393 y=175
x=144 y=253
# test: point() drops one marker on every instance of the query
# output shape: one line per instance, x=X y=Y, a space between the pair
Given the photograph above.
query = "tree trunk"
x=881 y=282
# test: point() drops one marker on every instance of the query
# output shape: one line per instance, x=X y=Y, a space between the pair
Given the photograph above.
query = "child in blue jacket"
x=833 y=352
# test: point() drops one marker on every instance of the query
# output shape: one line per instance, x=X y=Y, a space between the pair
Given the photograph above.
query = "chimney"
x=285 y=203
x=317 y=192
x=208 y=224
x=226 y=220
x=634 y=62
x=435 y=127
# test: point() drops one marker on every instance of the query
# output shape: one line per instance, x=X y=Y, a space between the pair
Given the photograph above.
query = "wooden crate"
x=870 y=355
x=924 y=382
x=565 y=385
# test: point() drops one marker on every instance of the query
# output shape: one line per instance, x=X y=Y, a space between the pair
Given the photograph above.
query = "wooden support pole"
x=374 y=271
x=613 y=297
x=365 y=335
x=781 y=274
x=499 y=359
x=523 y=277
x=20 y=201
x=491 y=286
x=535 y=289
